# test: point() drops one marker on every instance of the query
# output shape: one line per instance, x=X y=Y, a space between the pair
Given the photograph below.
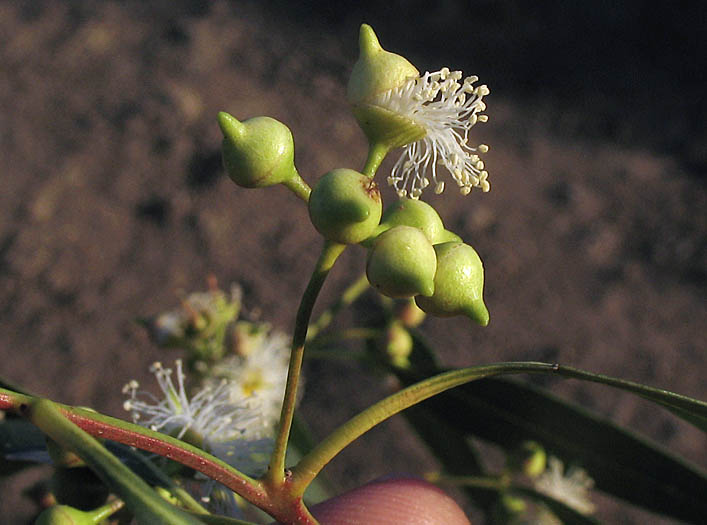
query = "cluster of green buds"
x=410 y=253
x=200 y=325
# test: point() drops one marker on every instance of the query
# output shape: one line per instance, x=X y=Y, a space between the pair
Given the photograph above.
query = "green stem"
x=310 y=465
x=351 y=293
x=330 y=252
x=345 y=335
x=376 y=154
x=137 y=494
x=481 y=482
x=107 y=510
x=298 y=186
x=107 y=427
x=175 y=490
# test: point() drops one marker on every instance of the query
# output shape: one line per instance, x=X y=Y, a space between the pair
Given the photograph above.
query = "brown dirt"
x=113 y=199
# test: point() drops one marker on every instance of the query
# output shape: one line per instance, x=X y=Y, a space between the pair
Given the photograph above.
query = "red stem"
x=278 y=503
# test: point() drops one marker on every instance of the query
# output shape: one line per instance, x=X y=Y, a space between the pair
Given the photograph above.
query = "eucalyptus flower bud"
x=398 y=344
x=458 y=284
x=376 y=72
x=345 y=206
x=257 y=152
x=530 y=458
x=409 y=314
x=402 y=263
x=415 y=213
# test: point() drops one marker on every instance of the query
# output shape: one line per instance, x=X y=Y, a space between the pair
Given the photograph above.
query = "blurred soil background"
x=113 y=197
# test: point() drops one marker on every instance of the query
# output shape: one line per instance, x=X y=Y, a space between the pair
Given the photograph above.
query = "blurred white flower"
x=259 y=373
x=213 y=419
x=447 y=110
x=571 y=487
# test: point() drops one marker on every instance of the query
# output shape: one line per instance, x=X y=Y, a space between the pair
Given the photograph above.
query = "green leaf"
x=452 y=449
x=621 y=463
x=691 y=410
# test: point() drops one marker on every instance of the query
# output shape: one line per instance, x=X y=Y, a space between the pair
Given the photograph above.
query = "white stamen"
x=447 y=110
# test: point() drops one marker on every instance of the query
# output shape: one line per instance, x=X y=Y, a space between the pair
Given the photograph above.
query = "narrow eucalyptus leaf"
x=621 y=463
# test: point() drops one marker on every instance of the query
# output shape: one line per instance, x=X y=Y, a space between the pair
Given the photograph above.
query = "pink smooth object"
x=391 y=502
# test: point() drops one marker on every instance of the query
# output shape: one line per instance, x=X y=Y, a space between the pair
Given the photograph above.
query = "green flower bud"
x=447 y=236
x=257 y=152
x=376 y=72
x=410 y=314
x=398 y=344
x=345 y=206
x=458 y=284
x=402 y=263
x=530 y=458
x=415 y=213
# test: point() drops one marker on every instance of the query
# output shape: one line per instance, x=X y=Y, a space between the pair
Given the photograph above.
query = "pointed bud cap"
x=257 y=152
x=376 y=72
x=345 y=206
x=402 y=263
x=459 y=284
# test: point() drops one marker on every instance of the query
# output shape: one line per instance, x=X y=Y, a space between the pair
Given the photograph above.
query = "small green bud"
x=410 y=314
x=257 y=152
x=376 y=72
x=447 y=236
x=402 y=263
x=415 y=213
x=398 y=344
x=345 y=206
x=458 y=284
x=530 y=458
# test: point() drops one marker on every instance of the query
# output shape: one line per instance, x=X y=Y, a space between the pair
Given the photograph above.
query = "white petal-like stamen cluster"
x=447 y=110
x=260 y=375
x=573 y=487
x=212 y=412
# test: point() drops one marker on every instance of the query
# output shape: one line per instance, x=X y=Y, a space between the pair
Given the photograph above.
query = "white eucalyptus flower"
x=447 y=109
x=429 y=115
x=261 y=375
x=213 y=418
x=571 y=487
